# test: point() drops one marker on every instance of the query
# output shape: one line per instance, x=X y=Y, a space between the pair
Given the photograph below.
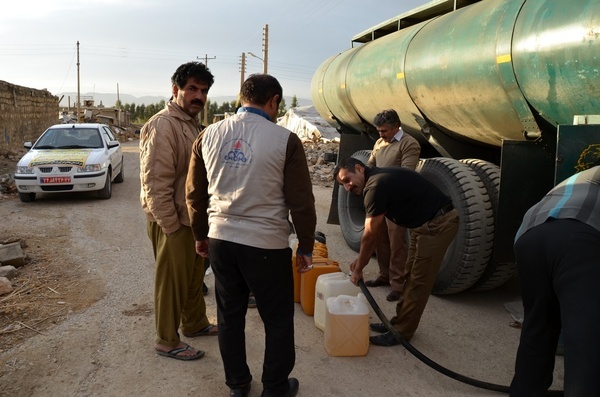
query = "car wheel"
x=121 y=176
x=26 y=197
x=106 y=191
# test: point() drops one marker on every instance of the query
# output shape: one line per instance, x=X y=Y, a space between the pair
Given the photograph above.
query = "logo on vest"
x=237 y=153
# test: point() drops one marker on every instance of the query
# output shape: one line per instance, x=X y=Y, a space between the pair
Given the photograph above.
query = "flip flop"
x=206 y=331
x=174 y=353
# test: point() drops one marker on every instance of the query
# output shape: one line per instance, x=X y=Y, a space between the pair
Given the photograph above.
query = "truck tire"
x=495 y=274
x=469 y=253
x=351 y=210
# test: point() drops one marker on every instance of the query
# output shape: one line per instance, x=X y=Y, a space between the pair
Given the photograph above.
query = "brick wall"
x=24 y=114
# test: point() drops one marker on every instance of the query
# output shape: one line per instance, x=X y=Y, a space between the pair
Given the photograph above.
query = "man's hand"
x=357 y=273
x=202 y=248
x=373 y=225
x=304 y=263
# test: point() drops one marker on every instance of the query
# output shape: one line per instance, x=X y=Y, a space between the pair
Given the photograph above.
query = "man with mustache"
x=406 y=198
x=165 y=148
x=394 y=148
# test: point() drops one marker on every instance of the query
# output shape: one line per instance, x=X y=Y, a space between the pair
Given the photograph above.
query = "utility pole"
x=265 y=47
x=243 y=70
x=206 y=58
x=118 y=107
x=78 y=84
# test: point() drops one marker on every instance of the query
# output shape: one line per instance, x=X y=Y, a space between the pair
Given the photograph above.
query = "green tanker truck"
x=504 y=97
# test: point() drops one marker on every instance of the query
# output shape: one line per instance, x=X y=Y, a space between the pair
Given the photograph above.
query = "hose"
x=428 y=361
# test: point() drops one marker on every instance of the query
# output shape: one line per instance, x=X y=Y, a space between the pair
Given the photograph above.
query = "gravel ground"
x=105 y=348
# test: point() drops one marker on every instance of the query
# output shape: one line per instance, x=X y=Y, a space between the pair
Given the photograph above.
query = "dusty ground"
x=80 y=322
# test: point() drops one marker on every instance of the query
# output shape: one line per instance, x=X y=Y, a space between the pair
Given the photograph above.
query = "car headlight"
x=90 y=168
x=24 y=169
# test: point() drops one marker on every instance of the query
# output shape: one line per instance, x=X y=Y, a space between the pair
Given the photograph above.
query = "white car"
x=71 y=158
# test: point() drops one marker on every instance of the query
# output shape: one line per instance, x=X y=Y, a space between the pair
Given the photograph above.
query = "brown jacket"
x=165 y=148
x=402 y=153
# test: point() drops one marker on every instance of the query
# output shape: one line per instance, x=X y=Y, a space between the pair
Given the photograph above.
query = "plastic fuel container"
x=347 y=326
x=308 y=281
x=331 y=285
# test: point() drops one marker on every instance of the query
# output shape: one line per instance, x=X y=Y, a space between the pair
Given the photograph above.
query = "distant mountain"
x=109 y=100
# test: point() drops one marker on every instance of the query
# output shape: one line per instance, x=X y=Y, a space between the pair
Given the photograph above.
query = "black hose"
x=428 y=361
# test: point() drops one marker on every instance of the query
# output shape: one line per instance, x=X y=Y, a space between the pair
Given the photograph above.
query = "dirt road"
x=107 y=348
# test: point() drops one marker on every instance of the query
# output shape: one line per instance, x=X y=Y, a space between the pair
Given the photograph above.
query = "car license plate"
x=56 y=179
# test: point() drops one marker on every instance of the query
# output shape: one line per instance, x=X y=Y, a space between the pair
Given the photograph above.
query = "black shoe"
x=378 y=327
x=386 y=339
x=240 y=391
x=376 y=283
x=320 y=237
x=292 y=391
x=251 y=302
x=393 y=296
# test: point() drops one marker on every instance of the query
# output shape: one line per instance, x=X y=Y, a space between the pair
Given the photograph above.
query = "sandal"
x=206 y=331
x=175 y=353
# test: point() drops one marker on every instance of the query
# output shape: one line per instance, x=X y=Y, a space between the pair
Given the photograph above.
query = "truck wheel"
x=351 y=210
x=469 y=253
x=495 y=274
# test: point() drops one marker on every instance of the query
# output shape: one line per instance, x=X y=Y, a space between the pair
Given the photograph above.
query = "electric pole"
x=265 y=47
x=78 y=84
x=243 y=70
x=206 y=58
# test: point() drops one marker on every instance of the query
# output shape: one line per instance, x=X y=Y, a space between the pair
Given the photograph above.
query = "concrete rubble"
x=5 y=286
x=12 y=254
x=11 y=258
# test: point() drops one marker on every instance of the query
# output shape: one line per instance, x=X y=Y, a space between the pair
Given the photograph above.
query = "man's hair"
x=259 y=89
x=196 y=70
x=349 y=164
x=389 y=117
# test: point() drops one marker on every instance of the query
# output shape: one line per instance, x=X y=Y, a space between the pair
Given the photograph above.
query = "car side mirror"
x=112 y=144
x=27 y=145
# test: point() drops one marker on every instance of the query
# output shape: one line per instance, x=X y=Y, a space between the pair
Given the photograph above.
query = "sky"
x=134 y=46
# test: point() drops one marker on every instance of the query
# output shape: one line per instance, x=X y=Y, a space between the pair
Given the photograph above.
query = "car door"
x=115 y=154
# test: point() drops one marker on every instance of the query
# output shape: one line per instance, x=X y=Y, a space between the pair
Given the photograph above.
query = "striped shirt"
x=574 y=198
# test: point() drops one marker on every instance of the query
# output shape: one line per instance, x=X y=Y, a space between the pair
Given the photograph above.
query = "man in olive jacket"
x=165 y=147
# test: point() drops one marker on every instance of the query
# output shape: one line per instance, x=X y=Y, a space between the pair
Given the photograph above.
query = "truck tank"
x=501 y=94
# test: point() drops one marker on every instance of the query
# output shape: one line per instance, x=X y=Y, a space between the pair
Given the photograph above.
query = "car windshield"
x=70 y=138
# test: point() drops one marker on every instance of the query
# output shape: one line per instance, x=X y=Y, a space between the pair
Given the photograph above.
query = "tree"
x=281 y=108
x=294 y=102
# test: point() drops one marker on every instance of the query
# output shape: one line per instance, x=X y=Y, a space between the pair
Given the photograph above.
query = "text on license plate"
x=56 y=179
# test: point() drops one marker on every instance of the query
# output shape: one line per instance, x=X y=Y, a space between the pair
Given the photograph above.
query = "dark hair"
x=389 y=117
x=259 y=89
x=349 y=164
x=195 y=70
